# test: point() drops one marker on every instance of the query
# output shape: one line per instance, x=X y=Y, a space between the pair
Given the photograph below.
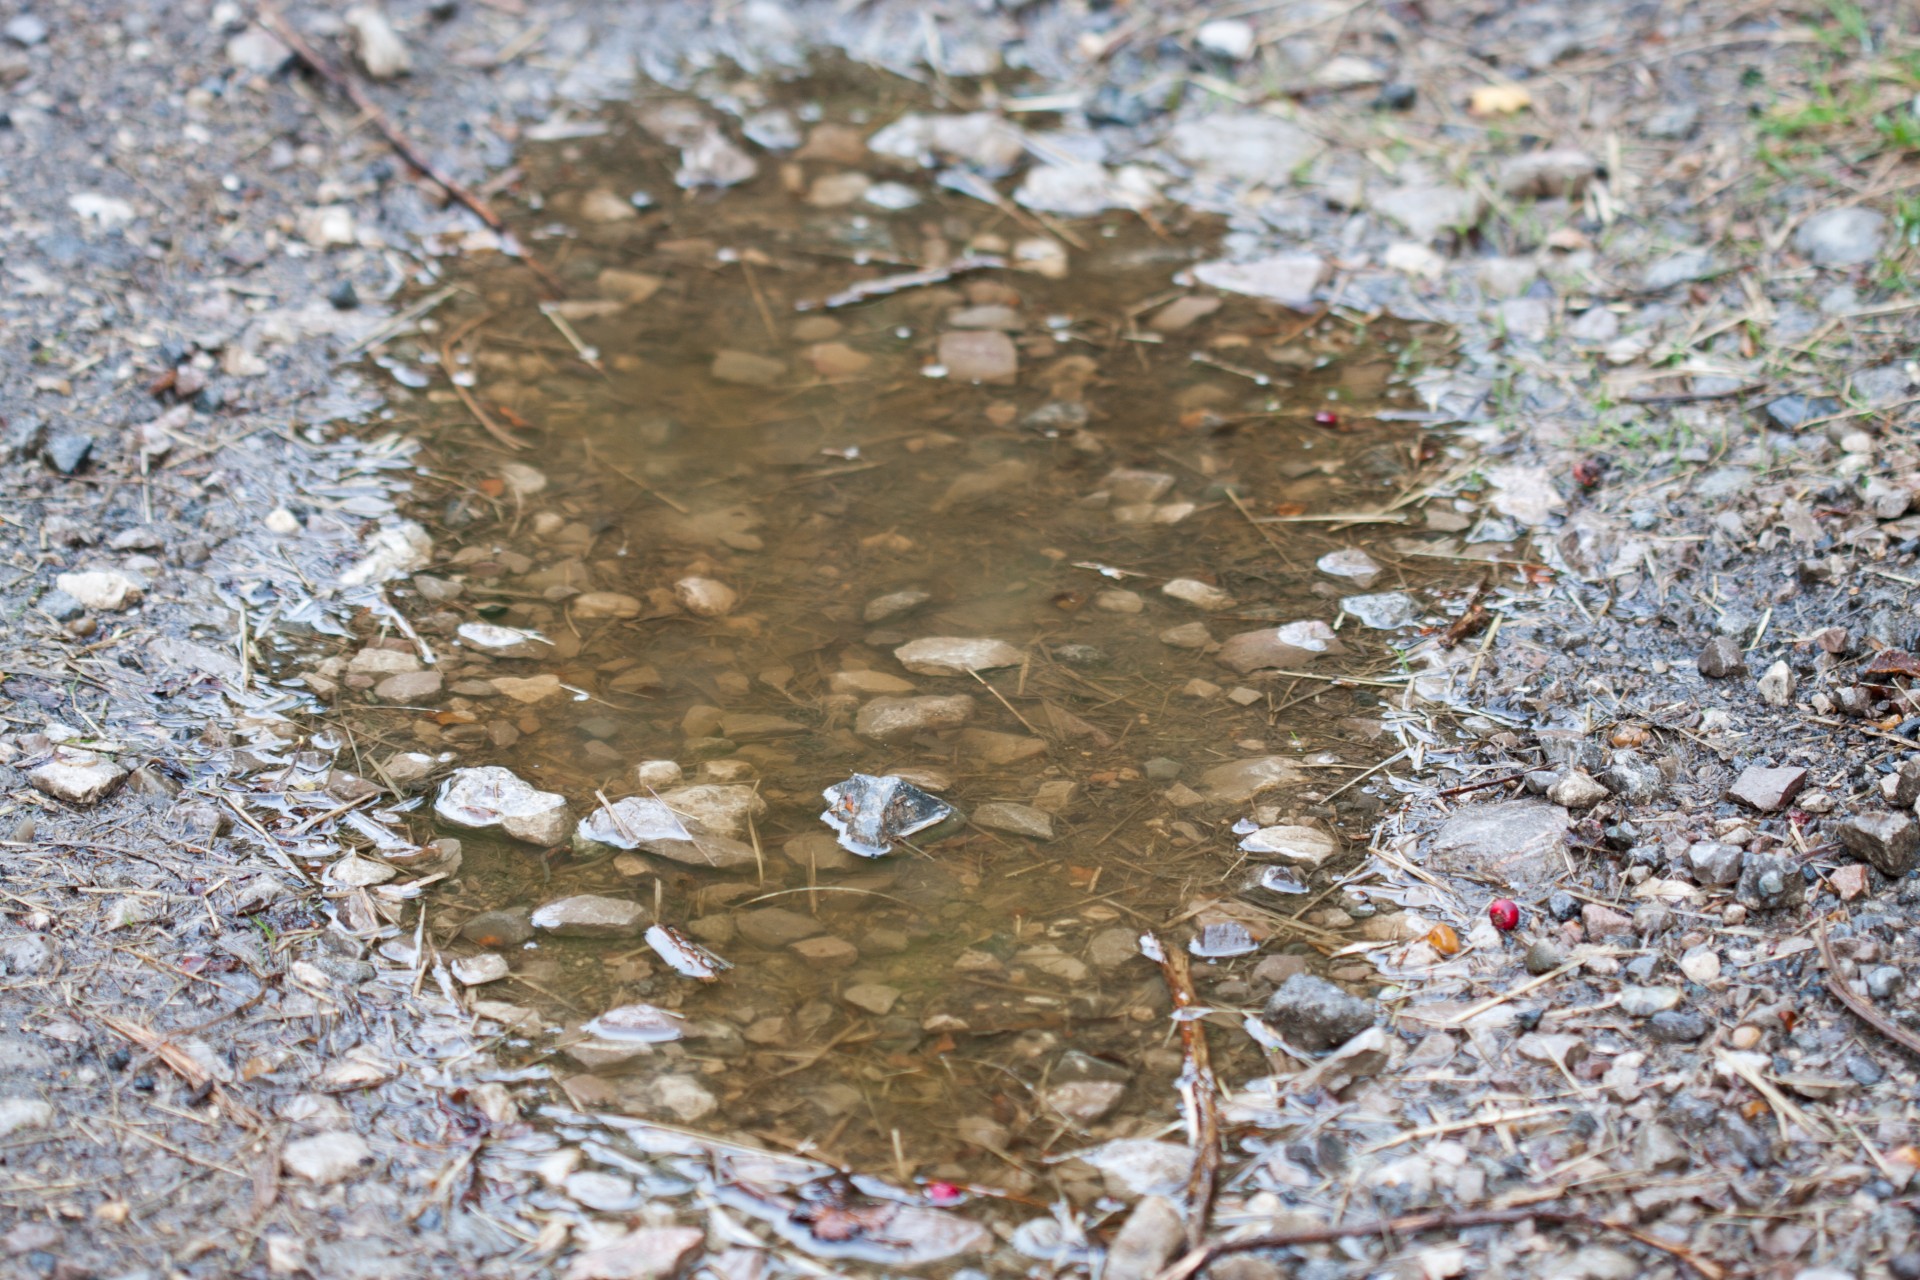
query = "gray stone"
x=1721 y=658
x=1554 y=172
x=26 y=30
x=1677 y=268
x=1884 y=982
x=498 y=929
x=1644 y=1002
x=1111 y=948
x=1775 y=686
x=1714 y=864
x=25 y=955
x=1842 y=237
x=588 y=915
x=1577 y=791
x=76 y=776
x=1888 y=840
x=1252 y=147
x=899 y=719
x=875 y=998
x=59 y=606
x=67 y=451
x=1149 y=1237
x=776 y=927
x=956 y=655
x=1633 y=779
x=1302 y=846
x=1770 y=882
x=1311 y=1013
x=1015 y=819
x=326 y=1158
x=894 y=604
x=490 y=796
x=1239 y=781
x=1543 y=957
x=1287 y=647
x=409 y=686
x=1906 y=787
x=1673 y=123
x=1517 y=841
x=1882 y=385
x=1768 y=789
x=1794 y=411
x=1676 y=1026
x=1428 y=212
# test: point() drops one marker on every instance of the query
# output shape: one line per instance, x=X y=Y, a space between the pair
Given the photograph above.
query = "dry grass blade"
x=1860 y=1008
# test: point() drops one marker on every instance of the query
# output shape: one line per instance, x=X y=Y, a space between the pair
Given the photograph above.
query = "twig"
x=467 y=397
x=1414 y=1223
x=1860 y=1008
x=1199 y=1095
x=345 y=83
x=867 y=290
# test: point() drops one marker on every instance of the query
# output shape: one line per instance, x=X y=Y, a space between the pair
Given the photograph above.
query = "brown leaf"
x=1892 y=662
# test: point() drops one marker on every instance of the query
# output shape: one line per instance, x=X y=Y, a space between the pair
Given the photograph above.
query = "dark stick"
x=1860 y=1008
x=1199 y=1095
x=1414 y=1223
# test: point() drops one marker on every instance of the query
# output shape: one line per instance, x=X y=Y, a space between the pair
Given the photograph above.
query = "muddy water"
x=965 y=1008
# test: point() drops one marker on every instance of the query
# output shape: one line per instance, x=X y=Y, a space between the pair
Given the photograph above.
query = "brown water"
x=980 y=966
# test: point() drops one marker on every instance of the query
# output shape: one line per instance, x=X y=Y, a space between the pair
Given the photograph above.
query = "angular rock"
x=652 y=825
x=1677 y=1026
x=956 y=655
x=1282 y=648
x=1313 y=1014
x=1015 y=819
x=1714 y=864
x=725 y=809
x=1577 y=791
x=979 y=355
x=1770 y=882
x=1428 y=212
x=102 y=590
x=705 y=597
x=76 y=776
x=589 y=915
x=1239 y=781
x=502 y=642
x=490 y=796
x=649 y=1253
x=1776 y=686
x=900 y=719
x=1767 y=789
x=1289 y=279
x=1557 y=171
x=1842 y=237
x=1301 y=846
x=327 y=1158
x=1887 y=840
x=1146 y=1241
x=1517 y=841
x=894 y=604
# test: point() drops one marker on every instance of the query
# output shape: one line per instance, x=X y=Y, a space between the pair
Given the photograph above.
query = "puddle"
x=738 y=513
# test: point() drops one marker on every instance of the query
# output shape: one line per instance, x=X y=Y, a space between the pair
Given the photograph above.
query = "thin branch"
x=1199 y=1094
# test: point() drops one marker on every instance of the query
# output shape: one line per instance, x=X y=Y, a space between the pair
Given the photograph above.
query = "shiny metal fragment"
x=871 y=813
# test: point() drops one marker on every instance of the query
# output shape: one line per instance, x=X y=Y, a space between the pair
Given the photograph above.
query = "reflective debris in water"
x=871 y=813
x=684 y=955
x=635 y=1023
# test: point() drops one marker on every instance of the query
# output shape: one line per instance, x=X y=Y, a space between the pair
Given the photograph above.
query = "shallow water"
x=961 y=1009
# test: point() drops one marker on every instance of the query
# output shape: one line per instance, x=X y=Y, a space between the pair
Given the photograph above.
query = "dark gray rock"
x=1888 y=840
x=60 y=606
x=1633 y=779
x=1515 y=841
x=1721 y=658
x=1793 y=411
x=1313 y=1014
x=1676 y=1026
x=1770 y=882
x=1906 y=786
x=1884 y=982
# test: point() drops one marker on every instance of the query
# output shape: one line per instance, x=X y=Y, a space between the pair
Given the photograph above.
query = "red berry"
x=944 y=1193
x=1505 y=914
x=1326 y=418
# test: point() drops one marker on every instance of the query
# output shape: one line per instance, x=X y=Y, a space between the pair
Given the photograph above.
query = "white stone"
x=102 y=590
x=76 y=776
x=652 y=775
x=704 y=597
x=393 y=551
x=525 y=481
x=382 y=52
x=956 y=655
x=490 y=796
x=594 y=605
x=328 y=226
x=326 y=1158
x=1286 y=278
x=685 y=1098
x=1304 y=846
x=281 y=521
x=503 y=642
x=20 y=1115
x=1776 y=686
x=488 y=966
x=1201 y=595
x=1351 y=563
x=1228 y=37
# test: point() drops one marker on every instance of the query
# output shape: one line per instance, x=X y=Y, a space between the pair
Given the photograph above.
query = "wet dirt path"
x=738 y=505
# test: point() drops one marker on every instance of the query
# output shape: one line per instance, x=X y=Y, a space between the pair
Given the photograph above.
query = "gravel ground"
x=1674 y=242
